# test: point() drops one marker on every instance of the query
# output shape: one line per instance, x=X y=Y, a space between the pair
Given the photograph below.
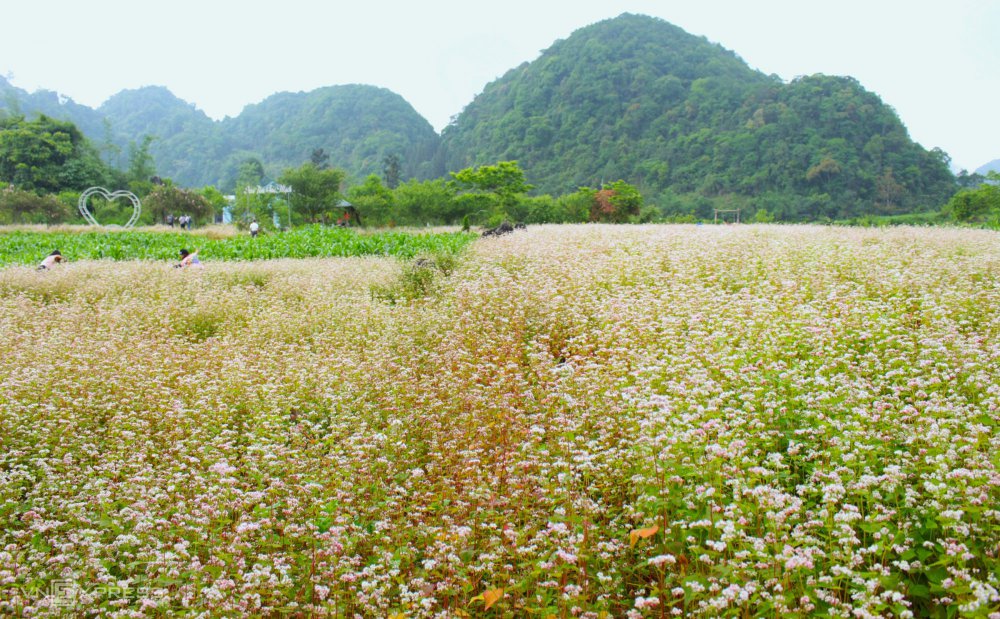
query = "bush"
x=24 y=207
x=977 y=205
x=418 y=279
x=167 y=199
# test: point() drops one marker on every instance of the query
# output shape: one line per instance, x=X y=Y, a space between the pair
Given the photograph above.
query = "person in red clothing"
x=188 y=259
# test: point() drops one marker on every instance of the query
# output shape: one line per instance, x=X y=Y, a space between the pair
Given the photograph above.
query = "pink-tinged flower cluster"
x=592 y=421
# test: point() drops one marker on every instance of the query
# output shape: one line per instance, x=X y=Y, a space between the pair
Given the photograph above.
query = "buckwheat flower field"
x=591 y=421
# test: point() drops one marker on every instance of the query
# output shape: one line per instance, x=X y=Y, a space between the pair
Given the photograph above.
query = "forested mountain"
x=186 y=143
x=639 y=99
x=357 y=126
x=632 y=98
x=14 y=100
x=595 y=105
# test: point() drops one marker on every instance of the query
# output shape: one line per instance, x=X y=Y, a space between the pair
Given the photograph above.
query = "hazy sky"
x=936 y=62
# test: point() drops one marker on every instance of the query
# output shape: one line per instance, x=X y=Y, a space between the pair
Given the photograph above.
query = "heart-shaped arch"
x=109 y=196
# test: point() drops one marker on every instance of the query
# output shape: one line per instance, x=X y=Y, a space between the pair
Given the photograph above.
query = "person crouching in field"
x=188 y=259
x=50 y=261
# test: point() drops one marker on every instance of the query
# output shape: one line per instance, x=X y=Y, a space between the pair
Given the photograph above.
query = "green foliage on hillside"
x=356 y=126
x=578 y=113
x=17 y=102
x=47 y=156
x=186 y=145
x=639 y=99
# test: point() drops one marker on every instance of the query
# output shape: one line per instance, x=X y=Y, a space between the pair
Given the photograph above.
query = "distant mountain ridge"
x=356 y=125
x=368 y=123
x=993 y=166
x=186 y=140
x=50 y=103
x=632 y=98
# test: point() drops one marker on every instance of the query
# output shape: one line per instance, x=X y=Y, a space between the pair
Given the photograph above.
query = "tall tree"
x=250 y=172
x=47 y=156
x=315 y=192
x=888 y=191
x=616 y=202
x=320 y=158
x=140 y=163
x=373 y=200
x=141 y=168
x=505 y=181
x=391 y=171
x=110 y=151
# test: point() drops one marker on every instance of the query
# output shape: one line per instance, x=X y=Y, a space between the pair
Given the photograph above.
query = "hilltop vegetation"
x=356 y=126
x=186 y=146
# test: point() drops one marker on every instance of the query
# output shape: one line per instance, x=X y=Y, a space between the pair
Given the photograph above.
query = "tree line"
x=46 y=163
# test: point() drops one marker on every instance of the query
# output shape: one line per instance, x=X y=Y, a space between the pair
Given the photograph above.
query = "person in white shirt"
x=50 y=260
x=254 y=228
